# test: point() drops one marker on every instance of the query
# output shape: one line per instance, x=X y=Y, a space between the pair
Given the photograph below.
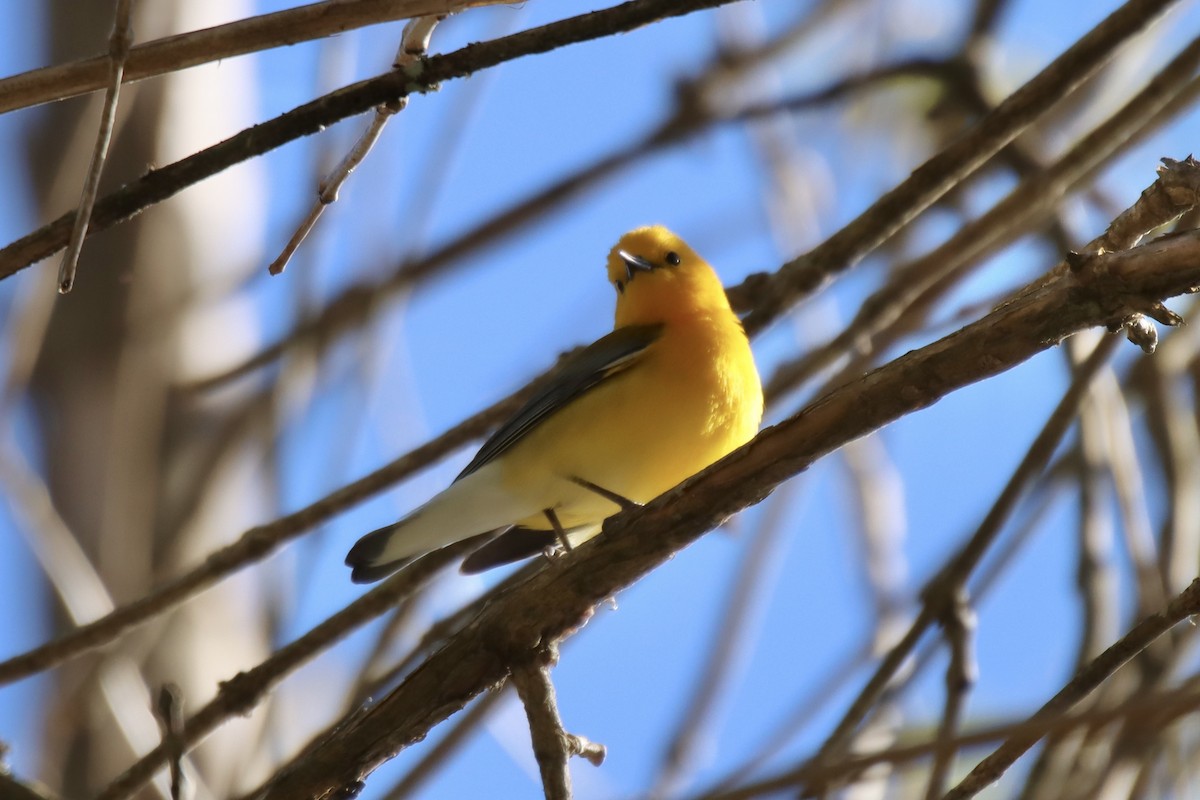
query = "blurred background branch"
x=190 y=447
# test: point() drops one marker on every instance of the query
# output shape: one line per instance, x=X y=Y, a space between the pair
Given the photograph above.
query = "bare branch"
x=555 y=602
x=118 y=51
x=169 y=711
x=949 y=167
x=958 y=622
x=241 y=693
x=1085 y=681
x=251 y=35
x=414 y=44
x=157 y=185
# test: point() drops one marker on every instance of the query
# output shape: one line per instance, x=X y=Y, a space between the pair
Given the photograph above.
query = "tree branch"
x=241 y=693
x=938 y=175
x=251 y=35
x=157 y=185
x=1088 y=678
x=555 y=602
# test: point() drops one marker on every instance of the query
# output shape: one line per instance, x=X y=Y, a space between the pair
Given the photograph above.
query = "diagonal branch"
x=118 y=52
x=555 y=602
x=245 y=36
x=938 y=175
x=1088 y=678
x=253 y=545
x=157 y=185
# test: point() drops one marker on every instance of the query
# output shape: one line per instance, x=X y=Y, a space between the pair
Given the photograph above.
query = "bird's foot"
x=553 y=554
x=558 y=529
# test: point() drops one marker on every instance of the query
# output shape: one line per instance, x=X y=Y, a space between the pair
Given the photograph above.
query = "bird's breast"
x=693 y=397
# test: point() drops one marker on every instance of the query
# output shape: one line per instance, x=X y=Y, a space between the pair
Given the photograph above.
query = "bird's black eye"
x=620 y=286
x=673 y=258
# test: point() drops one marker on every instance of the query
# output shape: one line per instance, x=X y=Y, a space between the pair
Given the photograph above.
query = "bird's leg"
x=624 y=502
x=558 y=529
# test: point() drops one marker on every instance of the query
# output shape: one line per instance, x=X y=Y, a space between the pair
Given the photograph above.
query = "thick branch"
x=554 y=602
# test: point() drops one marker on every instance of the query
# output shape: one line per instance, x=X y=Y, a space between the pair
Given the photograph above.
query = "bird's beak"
x=634 y=264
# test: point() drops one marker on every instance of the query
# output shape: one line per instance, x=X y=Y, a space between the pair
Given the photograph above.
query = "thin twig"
x=70 y=572
x=414 y=44
x=958 y=622
x=1172 y=424
x=119 y=42
x=1129 y=485
x=397 y=622
x=1096 y=577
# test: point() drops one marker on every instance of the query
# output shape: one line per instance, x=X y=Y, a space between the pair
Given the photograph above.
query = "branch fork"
x=553 y=746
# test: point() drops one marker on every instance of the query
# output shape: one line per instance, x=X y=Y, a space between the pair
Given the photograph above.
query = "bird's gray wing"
x=589 y=367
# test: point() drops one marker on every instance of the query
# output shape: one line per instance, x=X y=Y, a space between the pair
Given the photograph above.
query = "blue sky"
x=464 y=340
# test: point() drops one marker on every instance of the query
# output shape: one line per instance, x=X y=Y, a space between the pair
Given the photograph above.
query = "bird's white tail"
x=476 y=504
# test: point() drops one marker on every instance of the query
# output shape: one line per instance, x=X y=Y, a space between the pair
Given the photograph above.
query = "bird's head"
x=659 y=277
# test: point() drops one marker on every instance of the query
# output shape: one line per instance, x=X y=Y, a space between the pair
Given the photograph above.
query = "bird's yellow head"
x=658 y=277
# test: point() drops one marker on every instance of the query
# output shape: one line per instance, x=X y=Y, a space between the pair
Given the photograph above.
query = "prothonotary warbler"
x=672 y=389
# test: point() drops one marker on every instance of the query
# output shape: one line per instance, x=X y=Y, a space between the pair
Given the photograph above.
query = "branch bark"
x=313 y=117
x=251 y=35
x=556 y=601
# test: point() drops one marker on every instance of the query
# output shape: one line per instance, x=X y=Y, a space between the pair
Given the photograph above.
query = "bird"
x=672 y=389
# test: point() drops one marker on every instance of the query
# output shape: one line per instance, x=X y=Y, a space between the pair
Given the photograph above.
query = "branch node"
x=410 y=59
x=349 y=791
x=1140 y=331
x=592 y=752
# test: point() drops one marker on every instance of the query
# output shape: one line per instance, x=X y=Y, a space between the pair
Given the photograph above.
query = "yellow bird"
x=672 y=389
